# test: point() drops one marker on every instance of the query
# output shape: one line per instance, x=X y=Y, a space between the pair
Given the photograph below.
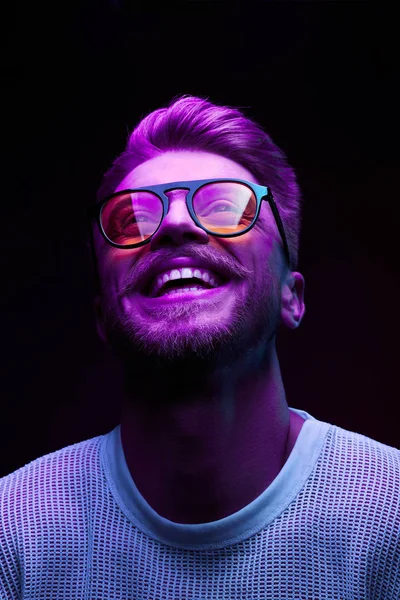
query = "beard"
x=187 y=338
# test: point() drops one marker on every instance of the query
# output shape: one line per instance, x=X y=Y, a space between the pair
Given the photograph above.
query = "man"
x=210 y=487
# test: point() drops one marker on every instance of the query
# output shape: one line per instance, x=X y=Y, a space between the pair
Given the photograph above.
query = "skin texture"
x=205 y=424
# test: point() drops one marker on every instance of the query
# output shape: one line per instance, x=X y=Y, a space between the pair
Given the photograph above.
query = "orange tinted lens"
x=225 y=207
x=130 y=218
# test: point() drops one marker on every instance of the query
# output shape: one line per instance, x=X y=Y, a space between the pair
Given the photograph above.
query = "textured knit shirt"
x=74 y=526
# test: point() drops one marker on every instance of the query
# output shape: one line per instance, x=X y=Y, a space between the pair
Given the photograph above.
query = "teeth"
x=184 y=273
x=181 y=290
x=175 y=274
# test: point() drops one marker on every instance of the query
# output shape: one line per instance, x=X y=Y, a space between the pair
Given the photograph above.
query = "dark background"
x=321 y=77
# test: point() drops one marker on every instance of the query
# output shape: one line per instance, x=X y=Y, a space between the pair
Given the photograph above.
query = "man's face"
x=239 y=314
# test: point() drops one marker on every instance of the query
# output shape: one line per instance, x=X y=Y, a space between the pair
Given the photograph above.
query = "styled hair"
x=194 y=123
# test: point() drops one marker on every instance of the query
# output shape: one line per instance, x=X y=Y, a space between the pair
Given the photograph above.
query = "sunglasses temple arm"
x=279 y=223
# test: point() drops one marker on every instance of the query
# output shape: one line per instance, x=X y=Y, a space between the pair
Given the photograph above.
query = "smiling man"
x=193 y=317
x=211 y=487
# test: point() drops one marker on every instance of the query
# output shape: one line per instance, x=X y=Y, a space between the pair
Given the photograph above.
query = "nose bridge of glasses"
x=174 y=193
x=177 y=194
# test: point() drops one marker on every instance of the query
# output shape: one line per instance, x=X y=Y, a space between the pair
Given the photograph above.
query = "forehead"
x=184 y=165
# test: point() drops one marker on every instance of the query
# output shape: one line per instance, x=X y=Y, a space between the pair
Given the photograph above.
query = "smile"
x=185 y=294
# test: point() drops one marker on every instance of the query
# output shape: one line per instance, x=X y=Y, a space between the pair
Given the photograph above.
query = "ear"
x=99 y=316
x=292 y=300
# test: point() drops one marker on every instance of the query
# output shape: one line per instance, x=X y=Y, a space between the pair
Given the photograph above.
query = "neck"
x=201 y=446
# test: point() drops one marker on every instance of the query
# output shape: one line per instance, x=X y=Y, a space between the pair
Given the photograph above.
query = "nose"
x=178 y=226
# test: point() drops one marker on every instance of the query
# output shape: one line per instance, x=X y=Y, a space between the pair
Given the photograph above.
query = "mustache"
x=214 y=260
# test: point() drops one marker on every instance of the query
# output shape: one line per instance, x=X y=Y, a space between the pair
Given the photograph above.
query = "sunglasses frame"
x=261 y=193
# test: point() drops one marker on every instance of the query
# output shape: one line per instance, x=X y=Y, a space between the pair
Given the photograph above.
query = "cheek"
x=113 y=269
x=256 y=252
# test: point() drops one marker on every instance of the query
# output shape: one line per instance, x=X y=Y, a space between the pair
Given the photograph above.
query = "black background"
x=321 y=77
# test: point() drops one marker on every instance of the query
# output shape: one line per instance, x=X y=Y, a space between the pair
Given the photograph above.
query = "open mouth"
x=182 y=285
x=186 y=294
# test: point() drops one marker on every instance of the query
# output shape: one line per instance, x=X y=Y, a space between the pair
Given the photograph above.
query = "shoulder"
x=40 y=502
x=64 y=458
x=366 y=471
x=378 y=457
x=36 y=486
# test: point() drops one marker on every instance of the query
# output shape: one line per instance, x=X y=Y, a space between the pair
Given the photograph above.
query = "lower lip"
x=206 y=294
